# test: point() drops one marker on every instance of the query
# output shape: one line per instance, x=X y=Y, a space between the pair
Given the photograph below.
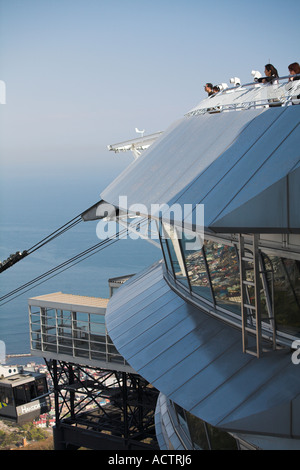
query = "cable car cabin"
x=23 y=394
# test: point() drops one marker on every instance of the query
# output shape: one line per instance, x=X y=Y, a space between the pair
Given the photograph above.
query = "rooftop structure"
x=215 y=325
x=100 y=401
x=137 y=146
x=72 y=327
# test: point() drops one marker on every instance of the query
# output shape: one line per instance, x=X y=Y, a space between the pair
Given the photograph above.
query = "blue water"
x=31 y=207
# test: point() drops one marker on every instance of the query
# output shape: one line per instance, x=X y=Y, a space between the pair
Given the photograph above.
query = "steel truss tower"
x=101 y=409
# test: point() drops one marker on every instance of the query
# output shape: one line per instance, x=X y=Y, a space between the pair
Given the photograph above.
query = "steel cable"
x=72 y=261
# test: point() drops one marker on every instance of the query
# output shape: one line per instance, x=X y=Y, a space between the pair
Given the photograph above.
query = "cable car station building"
x=214 y=326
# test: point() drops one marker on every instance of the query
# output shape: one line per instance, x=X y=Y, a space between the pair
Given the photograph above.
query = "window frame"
x=268 y=324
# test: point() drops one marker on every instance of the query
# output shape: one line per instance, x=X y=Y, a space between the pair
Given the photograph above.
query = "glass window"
x=197 y=432
x=207 y=437
x=166 y=256
x=97 y=324
x=211 y=271
x=220 y=440
x=182 y=420
x=41 y=386
x=6 y=396
x=196 y=266
x=223 y=267
x=286 y=275
x=164 y=247
x=30 y=391
x=174 y=247
x=19 y=393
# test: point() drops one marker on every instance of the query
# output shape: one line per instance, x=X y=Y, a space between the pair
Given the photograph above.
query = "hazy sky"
x=81 y=74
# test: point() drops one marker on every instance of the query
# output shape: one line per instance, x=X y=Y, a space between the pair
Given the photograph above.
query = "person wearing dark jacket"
x=271 y=78
x=209 y=89
x=271 y=75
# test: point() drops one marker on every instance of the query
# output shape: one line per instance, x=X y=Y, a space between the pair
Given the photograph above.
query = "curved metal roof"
x=242 y=165
x=197 y=360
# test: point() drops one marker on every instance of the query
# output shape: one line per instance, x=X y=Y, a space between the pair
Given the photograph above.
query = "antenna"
x=140 y=132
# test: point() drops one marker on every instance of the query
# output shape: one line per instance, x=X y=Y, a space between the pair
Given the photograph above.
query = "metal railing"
x=283 y=92
x=75 y=334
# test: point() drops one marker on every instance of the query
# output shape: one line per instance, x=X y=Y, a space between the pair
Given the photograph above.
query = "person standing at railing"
x=209 y=89
x=294 y=69
x=271 y=75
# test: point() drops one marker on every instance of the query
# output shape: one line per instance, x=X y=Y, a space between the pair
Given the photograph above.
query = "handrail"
x=256 y=82
x=251 y=95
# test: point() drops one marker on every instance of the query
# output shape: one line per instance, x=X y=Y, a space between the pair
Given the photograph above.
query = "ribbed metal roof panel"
x=232 y=162
x=197 y=360
x=177 y=157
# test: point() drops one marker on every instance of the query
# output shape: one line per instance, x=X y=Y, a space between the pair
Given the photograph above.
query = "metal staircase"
x=250 y=296
x=252 y=278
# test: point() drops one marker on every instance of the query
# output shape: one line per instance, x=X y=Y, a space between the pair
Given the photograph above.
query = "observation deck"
x=72 y=328
x=214 y=325
x=281 y=92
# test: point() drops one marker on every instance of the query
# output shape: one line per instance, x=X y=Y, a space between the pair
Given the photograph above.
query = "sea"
x=34 y=204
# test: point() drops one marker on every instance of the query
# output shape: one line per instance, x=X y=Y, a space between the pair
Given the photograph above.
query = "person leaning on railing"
x=294 y=69
x=271 y=78
x=271 y=75
x=208 y=87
